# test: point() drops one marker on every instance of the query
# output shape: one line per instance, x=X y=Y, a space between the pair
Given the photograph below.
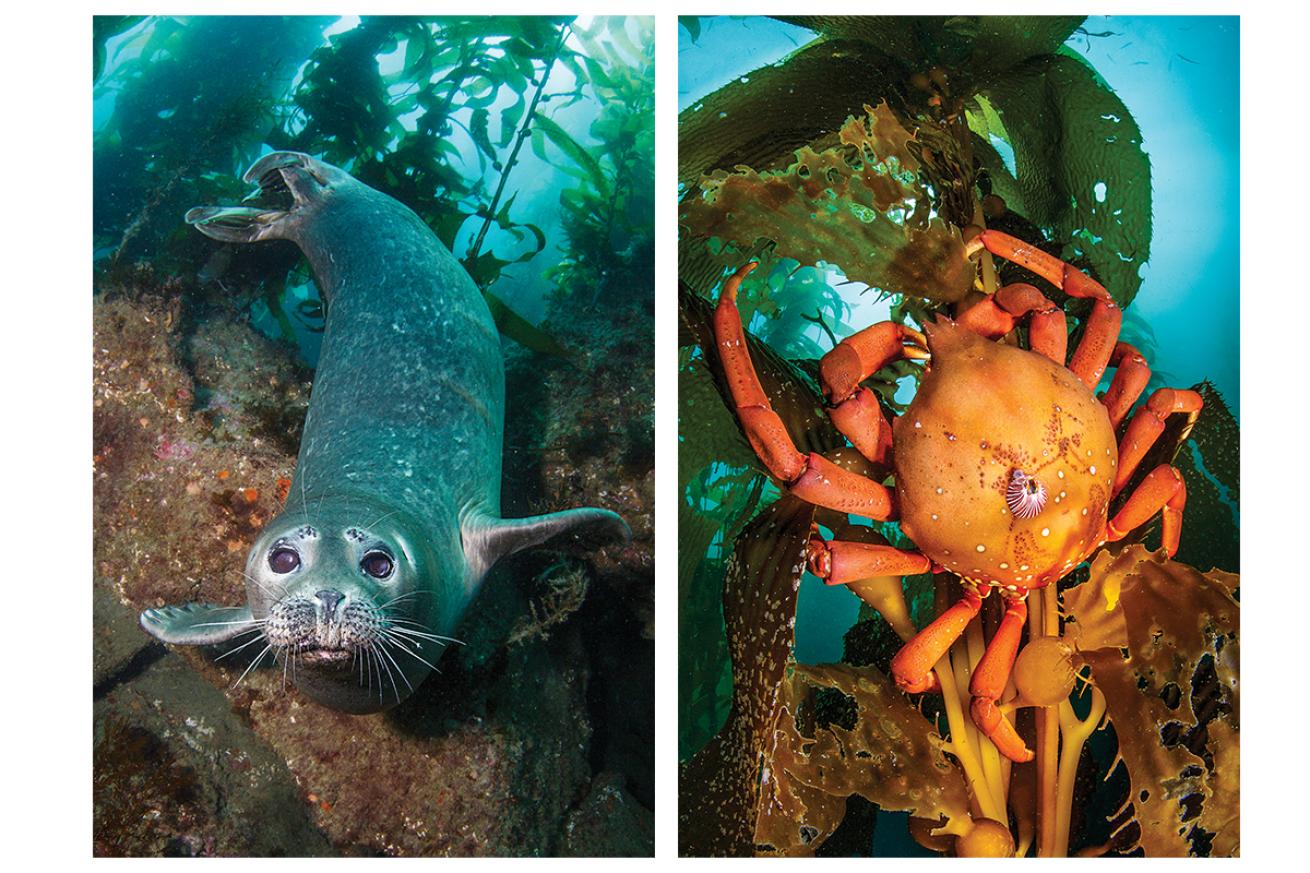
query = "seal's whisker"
x=239 y=648
x=382 y=519
x=256 y=621
x=383 y=649
x=438 y=638
x=401 y=598
x=411 y=637
x=260 y=585
x=258 y=658
x=383 y=653
x=417 y=656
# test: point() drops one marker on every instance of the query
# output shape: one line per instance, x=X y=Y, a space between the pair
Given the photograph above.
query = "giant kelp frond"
x=719 y=789
x=970 y=46
x=1174 y=698
x=860 y=205
x=1079 y=164
x=1079 y=172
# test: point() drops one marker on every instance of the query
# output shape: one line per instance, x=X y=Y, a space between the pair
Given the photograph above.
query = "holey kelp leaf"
x=887 y=752
x=1174 y=699
x=760 y=119
x=859 y=205
x=1079 y=163
x=719 y=789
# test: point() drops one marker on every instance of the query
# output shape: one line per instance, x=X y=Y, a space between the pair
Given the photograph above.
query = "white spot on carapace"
x=934 y=516
x=918 y=424
x=1084 y=510
x=1092 y=469
x=1046 y=531
x=1089 y=453
x=939 y=491
x=981 y=547
x=1059 y=473
x=1023 y=567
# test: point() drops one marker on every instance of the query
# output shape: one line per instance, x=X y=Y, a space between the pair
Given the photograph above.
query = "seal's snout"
x=330 y=600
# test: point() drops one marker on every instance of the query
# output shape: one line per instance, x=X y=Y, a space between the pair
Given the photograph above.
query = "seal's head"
x=342 y=595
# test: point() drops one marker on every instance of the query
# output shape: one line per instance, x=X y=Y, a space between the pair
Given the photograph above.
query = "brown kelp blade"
x=1174 y=700
x=719 y=788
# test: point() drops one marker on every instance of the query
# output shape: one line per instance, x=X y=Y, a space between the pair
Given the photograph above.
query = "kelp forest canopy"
x=860 y=160
x=525 y=143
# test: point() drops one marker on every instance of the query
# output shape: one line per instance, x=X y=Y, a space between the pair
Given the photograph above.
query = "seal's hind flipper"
x=197 y=624
x=238 y=224
x=487 y=540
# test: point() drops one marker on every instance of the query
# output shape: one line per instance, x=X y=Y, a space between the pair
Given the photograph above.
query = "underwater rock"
x=609 y=822
x=179 y=773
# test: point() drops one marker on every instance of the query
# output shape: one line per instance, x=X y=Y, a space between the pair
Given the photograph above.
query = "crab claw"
x=998 y=729
x=911 y=668
x=989 y=680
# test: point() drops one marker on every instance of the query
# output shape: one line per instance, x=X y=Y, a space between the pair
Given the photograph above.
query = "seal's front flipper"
x=487 y=540
x=197 y=624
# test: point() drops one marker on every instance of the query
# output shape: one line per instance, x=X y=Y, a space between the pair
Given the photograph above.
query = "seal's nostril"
x=330 y=599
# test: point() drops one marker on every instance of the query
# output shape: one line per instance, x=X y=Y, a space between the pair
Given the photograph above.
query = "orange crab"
x=1005 y=462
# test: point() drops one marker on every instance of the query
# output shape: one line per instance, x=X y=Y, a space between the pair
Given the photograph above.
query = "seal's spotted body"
x=393 y=517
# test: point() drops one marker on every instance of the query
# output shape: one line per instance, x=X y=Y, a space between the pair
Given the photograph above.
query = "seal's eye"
x=377 y=564
x=283 y=560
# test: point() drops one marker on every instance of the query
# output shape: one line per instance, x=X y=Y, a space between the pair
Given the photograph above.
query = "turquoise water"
x=1179 y=78
x=266 y=59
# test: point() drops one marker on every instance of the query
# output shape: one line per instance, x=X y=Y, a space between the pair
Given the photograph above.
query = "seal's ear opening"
x=197 y=624
x=487 y=540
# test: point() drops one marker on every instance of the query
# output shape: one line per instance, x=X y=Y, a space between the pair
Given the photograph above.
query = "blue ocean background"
x=241 y=47
x=1178 y=75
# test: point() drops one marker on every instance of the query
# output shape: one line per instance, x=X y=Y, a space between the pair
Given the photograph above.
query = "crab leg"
x=1147 y=425
x=912 y=666
x=1093 y=353
x=838 y=562
x=1162 y=489
x=854 y=409
x=809 y=476
x=995 y=316
x=989 y=679
x=1128 y=383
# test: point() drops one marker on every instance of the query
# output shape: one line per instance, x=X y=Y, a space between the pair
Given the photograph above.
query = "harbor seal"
x=393 y=516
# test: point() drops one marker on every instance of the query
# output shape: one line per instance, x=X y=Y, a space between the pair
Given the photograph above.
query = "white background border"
x=46 y=349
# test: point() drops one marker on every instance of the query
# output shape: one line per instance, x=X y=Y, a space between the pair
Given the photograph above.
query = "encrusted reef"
x=530 y=747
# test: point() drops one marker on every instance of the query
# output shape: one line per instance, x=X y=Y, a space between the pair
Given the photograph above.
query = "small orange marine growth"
x=1005 y=461
x=283 y=489
x=223 y=474
x=251 y=494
